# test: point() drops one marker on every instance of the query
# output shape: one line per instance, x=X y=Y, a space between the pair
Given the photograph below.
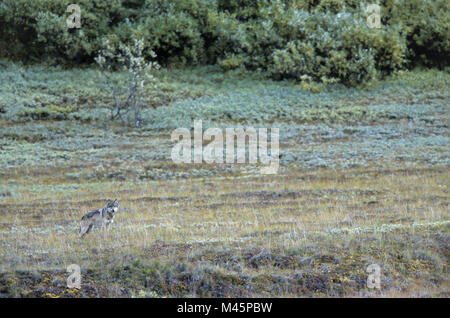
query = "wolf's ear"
x=115 y=201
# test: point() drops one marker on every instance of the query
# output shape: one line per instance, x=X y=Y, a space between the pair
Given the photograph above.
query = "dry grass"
x=363 y=180
x=260 y=227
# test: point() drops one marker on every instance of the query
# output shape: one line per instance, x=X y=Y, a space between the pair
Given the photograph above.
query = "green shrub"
x=173 y=29
x=426 y=25
x=231 y=62
x=295 y=43
x=38 y=28
x=129 y=95
x=49 y=112
x=322 y=39
x=253 y=39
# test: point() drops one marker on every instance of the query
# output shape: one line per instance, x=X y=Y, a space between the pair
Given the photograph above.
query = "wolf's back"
x=90 y=215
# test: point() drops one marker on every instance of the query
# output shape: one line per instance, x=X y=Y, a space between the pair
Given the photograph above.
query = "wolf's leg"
x=86 y=229
x=82 y=231
x=90 y=227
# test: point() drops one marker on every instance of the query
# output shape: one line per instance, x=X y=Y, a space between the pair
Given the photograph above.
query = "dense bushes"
x=317 y=39
x=317 y=44
x=426 y=26
x=174 y=29
x=38 y=28
x=337 y=48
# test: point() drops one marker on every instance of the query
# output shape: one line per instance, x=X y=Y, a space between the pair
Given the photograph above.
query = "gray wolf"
x=99 y=218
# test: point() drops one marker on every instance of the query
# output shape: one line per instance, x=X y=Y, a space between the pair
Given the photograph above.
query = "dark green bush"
x=320 y=39
x=288 y=42
x=175 y=30
x=38 y=28
x=254 y=39
x=338 y=47
x=426 y=26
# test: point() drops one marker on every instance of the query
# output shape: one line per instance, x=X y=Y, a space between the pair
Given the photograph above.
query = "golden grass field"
x=296 y=234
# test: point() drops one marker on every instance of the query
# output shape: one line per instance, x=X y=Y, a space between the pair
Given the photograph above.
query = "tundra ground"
x=363 y=180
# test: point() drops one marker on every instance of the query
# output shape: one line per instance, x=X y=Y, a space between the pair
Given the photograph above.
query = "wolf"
x=104 y=216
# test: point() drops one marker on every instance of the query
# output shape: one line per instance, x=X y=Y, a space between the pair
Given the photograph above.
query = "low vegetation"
x=363 y=180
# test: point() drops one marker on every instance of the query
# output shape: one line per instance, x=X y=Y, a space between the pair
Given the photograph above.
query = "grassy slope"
x=363 y=179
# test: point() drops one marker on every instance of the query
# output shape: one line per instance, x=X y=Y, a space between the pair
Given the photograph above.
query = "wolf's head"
x=113 y=206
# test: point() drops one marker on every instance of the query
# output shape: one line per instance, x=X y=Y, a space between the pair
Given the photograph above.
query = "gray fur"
x=99 y=218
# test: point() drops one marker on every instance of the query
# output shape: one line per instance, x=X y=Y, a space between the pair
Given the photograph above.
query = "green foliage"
x=173 y=29
x=231 y=62
x=426 y=25
x=323 y=43
x=176 y=97
x=338 y=47
x=129 y=96
x=40 y=27
x=323 y=39
x=50 y=112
